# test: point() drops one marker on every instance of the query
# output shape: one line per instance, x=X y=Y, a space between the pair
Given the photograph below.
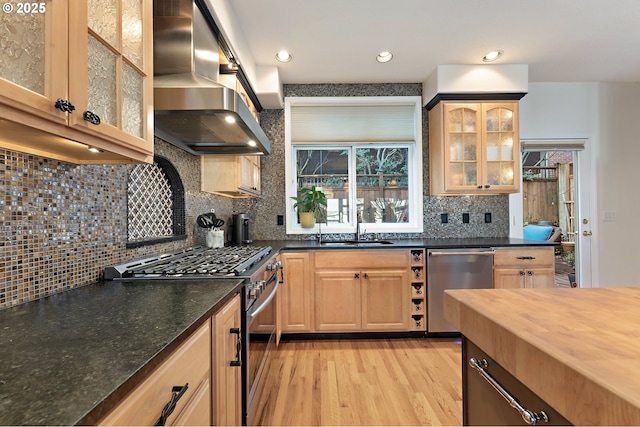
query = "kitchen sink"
x=356 y=242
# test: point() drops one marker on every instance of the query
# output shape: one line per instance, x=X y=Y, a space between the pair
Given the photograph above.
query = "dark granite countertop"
x=68 y=358
x=477 y=242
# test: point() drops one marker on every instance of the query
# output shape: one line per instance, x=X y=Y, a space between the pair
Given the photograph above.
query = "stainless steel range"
x=259 y=269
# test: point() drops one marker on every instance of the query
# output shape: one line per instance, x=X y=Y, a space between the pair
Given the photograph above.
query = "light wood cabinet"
x=295 y=292
x=524 y=267
x=337 y=297
x=227 y=375
x=357 y=291
x=189 y=364
x=231 y=176
x=78 y=74
x=474 y=148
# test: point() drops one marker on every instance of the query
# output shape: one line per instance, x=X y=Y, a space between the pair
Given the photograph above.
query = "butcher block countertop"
x=577 y=349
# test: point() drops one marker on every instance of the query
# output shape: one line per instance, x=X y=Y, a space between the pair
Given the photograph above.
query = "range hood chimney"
x=192 y=110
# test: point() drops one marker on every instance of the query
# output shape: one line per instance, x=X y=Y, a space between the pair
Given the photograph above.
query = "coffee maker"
x=240 y=229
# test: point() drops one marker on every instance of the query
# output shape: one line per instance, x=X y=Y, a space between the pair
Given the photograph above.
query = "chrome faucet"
x=358 y=222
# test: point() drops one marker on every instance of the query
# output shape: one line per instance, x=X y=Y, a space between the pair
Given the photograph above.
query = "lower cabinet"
x=227 y=375
x=347 y=291
x=524 y=267
x=213 y=395
x=189 y=364
x=296 y=293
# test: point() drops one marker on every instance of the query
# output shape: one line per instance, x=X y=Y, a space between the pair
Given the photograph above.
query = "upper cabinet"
x=78 y=70
x=231 y=176
x=474 y=148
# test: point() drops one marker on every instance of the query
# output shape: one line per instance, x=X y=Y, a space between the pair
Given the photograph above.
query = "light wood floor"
x=364 y=382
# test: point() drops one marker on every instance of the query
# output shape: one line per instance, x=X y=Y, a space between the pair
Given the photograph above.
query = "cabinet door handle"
x=530 y=273
x=487 y=186
x=64 y=105
x=91 y=117
x=356 y=276
x=529 y=417
x=176 y=394
x=522 y=272
x=366 y=276
x=238 y=361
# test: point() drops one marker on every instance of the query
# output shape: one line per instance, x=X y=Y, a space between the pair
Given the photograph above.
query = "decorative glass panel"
x=455 y=120
x=150 y=203
x=455 y=146
x=469 y=120
x=506 y=175
x=492 y=120
x=103 y=19
x=470 y=174
x=102 y=82
x=456 y=173
x=132 y=42
x=382 y=190
x=470 y=147
x=493 y=173
x=132 y=109
x=506 y=120
x=22 y=48
x=493 y=146
x=507 y=146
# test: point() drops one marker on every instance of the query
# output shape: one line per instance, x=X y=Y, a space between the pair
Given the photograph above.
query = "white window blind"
x=317 y=124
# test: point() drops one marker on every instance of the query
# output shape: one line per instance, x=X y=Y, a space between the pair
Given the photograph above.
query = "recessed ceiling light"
x=284 y=56
x=230 y=119
x=492 y=56
x=251 y=143
x=384 y=56
x=94 y=150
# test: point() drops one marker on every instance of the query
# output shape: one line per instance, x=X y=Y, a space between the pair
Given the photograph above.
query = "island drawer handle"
x=529 y=417
x=176 y=394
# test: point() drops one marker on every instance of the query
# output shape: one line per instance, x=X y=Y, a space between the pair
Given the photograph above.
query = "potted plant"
x=308 y=204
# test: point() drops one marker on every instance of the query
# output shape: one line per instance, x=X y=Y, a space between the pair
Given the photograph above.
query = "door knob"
x=587 y=233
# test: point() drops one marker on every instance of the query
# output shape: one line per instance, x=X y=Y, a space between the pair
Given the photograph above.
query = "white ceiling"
x=336 y=41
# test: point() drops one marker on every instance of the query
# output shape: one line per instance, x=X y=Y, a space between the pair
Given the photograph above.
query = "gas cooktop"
x=197 y=261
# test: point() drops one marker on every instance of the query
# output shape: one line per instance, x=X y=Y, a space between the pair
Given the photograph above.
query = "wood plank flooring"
x=364 y=382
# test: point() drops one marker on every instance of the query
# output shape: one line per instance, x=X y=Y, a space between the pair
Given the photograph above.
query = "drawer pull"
x=529 y=417
x=238 y=361
x=176 y=394
x=526 y=257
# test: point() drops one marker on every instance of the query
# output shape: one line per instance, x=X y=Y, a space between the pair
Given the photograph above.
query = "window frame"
x=415 y=173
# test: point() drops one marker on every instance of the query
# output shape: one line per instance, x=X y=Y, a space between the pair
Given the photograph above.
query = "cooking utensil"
x=206 y=220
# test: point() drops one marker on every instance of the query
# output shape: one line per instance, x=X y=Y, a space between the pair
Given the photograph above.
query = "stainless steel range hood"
x=192 y=110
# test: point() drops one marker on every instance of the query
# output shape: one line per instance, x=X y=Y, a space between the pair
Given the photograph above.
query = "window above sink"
x=365 y=154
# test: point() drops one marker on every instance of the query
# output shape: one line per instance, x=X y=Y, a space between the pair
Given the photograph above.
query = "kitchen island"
x=71 y=357
x=576 y=349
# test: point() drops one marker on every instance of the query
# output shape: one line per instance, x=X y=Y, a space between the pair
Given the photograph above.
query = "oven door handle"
x=269 y=298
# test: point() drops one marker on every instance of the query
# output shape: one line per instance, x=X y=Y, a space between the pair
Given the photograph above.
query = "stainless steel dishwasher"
x=469 y=268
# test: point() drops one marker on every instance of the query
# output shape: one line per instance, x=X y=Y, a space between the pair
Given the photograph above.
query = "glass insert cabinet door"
x=110 y=70
x=33 y=57
x=481 y=147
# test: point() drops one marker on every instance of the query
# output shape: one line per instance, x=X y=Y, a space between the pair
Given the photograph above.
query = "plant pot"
x=572 y=280
x=307 y=219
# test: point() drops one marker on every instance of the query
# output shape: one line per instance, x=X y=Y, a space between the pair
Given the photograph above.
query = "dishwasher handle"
x=489 y=252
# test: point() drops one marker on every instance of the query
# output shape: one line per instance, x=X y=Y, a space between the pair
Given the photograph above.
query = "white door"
x=579 y=211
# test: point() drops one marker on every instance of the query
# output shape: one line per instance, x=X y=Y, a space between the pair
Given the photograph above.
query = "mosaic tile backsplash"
x=62 y=224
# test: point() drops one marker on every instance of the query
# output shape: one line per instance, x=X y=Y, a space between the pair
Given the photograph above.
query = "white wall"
x=608 y=117
x=618 y=174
